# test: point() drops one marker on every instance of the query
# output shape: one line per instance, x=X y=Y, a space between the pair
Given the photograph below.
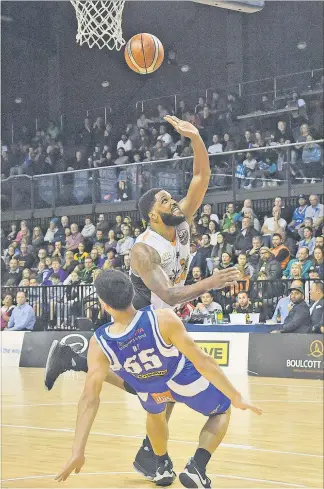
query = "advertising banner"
x=288 y=355
x=11 y=347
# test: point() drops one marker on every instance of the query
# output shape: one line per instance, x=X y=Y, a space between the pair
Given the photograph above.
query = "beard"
x=171 y=219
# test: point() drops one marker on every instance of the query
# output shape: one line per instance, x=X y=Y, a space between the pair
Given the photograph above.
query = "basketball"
x=144 y=53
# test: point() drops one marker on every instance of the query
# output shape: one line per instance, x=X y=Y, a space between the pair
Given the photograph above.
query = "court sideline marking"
x=115 y=435
x=221 y=476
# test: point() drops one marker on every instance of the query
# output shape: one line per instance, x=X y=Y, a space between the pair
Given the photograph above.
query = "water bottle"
x=219 y=316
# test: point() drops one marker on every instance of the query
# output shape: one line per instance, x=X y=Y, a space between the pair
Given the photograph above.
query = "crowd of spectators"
x=101 y=145
x=270 y=253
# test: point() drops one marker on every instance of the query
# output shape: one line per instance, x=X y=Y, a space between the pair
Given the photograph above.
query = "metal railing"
x=275 y=87
x=281 y=166
x=59 y=306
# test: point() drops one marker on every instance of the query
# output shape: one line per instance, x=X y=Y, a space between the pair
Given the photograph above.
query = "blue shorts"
x=190 y=388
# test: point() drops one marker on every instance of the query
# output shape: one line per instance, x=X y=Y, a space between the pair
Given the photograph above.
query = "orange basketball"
x=144 y=53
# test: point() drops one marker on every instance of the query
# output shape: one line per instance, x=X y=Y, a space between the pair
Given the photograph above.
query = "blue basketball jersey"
x=139 y=355
x=158 y=372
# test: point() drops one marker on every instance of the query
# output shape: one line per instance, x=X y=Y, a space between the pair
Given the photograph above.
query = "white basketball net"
x=99 y=23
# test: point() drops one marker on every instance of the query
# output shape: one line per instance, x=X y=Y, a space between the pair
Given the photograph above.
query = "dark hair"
x=115 y=289
x=309 y=228
x=319 y=285
x=147 y=201
x=55 y=276
x=275 y=234
x=243 y=292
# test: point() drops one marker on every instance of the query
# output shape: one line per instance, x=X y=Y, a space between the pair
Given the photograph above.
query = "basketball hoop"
x=99 y=23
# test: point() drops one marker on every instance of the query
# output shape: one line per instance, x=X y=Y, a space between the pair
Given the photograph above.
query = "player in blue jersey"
x=159 y=262
x=153 y=353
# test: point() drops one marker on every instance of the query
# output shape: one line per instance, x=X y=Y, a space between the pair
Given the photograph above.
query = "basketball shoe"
x=62 y=358
x=145 y=460
x=165 y=474
x=193 y=477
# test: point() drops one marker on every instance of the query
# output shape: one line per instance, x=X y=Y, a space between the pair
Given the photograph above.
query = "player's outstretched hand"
x=184 y=128
x=240 y=403
x=224 y=278
x=75 y=464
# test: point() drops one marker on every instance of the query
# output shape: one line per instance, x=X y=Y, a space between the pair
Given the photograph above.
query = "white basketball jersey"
x=174 y=260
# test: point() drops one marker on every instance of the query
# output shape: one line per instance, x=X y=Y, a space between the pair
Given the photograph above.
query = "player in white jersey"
x=151 y=350
x=159 y=263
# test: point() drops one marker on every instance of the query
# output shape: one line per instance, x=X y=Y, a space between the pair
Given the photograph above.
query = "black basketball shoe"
x=145 y=461
x=165 y=474
x=193 y=477
x=61 y=358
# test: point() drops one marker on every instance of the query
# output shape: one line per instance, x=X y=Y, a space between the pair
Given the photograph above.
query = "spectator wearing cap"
x=299 y=214
x=317 y=308
x=280 y=251
x=303 y=259
x=308 y=241
x=315 y=211
x=268 y=264
x=50 y=233
x=89 y=229
x=284 y=305
x=73 y=241
x=298 y=319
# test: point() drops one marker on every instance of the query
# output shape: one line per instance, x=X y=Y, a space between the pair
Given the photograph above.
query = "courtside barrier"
x=290 y=355
x=11 y=347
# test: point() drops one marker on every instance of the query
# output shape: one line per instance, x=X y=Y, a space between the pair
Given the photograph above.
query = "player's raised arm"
x=98 y=366
x=146 y=263
x=201 y=168
x=174 y=332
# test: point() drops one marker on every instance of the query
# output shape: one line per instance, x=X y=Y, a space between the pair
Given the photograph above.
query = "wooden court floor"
x=282 y=448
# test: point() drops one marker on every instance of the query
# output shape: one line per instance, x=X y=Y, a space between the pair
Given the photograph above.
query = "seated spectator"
x=317 y=309
x=101 y=255
x=205 y=250
x=102 y=225
x=295 y=272
x=228 y=143
x=195 y=260
x=319 y=241
x=117 y=227
x=207 y=210
x=125 y=143
x=143 y=122
x=126 y=268
x=279 y=250
x=312 y=157
x=165 y=137
x=23 y=315
x=308 y=241
x=94 y=255
x=204 y=224
x=86 y=273
x=26 y=260
x=318 y=261
x=111 y=243
x=42 y=272
x=89 y=229
x=274 y=224
x=196 y=276
x=56 y=267
x=53 y=228
x=244 y=267
x=244 y=238
x=112 y=260
x=37 y=238
x=13 y=233
x=213 y=232
x=246 y=141
x=243 y=304
x=298 y=319
x=10 y=254
x=269 y=264
x=184 y=311
x=229 y=217
x=14 y=273
x=58 y=251
x=73 y=241
x=218 y=249
x=126 y=243
x=254 y=220
x=122 y=157
x=24 y=232
x=299 y=214
x=253 y=255
x=284 y=305
x=282 y=132
x=207 y=307
x=6 y=311
x=216 y=146
x=315 y=211
x=250 y=165
x=81 y=255
x=303 y=259
x=230 y=234
x=226 y=261
x=160 y=153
